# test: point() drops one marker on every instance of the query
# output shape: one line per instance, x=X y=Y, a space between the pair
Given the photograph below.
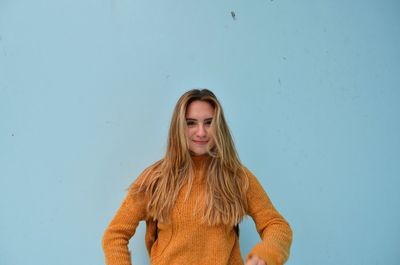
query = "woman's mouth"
x=200 y=142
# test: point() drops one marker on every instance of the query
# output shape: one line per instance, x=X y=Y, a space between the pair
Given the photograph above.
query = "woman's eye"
x=190 y=123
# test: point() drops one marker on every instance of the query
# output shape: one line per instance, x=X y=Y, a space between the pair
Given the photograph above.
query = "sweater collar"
x=199 y=160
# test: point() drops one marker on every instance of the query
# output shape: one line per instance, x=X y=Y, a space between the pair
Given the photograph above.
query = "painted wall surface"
x=310 y=90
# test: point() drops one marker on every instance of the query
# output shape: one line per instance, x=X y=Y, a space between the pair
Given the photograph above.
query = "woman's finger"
x=252 y=261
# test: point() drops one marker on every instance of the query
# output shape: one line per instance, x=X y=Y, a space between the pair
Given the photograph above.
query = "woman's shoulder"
x=146 y=175
x=253 y=181
x=152 y=167
x=247 y=172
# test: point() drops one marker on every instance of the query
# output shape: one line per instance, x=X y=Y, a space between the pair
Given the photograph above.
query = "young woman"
x=193 y=199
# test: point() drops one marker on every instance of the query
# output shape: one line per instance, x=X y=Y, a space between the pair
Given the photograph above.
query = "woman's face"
x=199 y=115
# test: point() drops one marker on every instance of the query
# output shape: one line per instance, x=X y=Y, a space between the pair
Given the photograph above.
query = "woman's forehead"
x=199 y=110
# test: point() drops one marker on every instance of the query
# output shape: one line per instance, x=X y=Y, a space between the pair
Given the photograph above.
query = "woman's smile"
x=200 y=142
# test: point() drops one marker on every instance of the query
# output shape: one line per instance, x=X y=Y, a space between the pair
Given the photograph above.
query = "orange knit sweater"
x=185 y=240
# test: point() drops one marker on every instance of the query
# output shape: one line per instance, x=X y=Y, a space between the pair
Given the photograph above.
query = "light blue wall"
x=310 y=90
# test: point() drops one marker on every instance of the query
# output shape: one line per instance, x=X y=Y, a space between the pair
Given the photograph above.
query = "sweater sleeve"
x=273 y=229
x=122 y=227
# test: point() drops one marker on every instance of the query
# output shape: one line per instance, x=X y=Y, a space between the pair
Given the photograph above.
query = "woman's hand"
x=255 y=260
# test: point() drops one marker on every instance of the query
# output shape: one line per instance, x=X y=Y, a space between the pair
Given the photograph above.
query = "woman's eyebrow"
x=191 y=119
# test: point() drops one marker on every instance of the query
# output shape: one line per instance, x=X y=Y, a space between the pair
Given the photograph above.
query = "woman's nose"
x=201 y=130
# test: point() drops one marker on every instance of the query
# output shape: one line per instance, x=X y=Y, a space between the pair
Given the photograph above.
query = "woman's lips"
x=200 y=142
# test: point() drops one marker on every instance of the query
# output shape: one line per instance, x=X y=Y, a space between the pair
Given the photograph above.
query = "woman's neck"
x=199 y=160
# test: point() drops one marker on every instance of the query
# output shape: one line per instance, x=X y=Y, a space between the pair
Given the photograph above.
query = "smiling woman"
x=194 y=197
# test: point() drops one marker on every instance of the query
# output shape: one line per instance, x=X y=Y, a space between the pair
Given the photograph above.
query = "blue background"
x=310 y=90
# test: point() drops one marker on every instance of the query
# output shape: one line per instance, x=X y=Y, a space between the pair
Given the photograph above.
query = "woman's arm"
x=122 y=227
x=273 y=229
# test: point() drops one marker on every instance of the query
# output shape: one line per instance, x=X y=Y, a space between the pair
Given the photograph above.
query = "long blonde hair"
x=225 y=197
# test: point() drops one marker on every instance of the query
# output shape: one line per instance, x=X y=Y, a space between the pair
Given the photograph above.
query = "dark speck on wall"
x=284 y=58
x=233 y=15
x=12 y=134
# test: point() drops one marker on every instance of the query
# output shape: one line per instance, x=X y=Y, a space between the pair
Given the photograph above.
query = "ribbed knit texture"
x=186 y=240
